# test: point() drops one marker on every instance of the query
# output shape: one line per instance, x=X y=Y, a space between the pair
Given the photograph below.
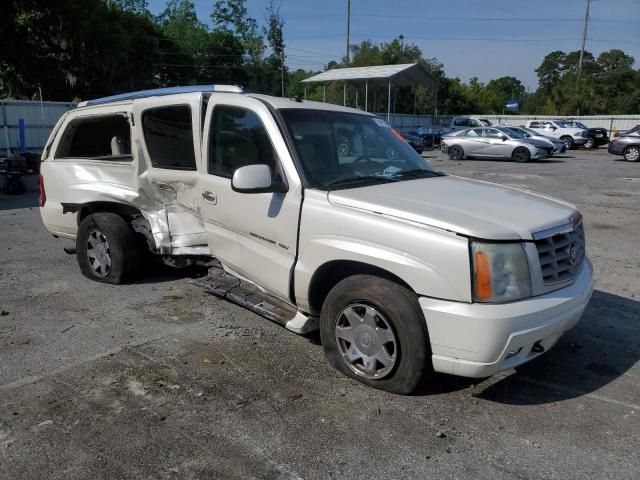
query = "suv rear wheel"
x=107 y=249
x=568 y=141
x=373 y=330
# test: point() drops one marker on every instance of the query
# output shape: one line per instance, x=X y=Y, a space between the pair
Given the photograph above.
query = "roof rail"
x=158 y=92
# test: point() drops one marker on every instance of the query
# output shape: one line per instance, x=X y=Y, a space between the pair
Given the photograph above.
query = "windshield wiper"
x=419 y=173
x=364 y=178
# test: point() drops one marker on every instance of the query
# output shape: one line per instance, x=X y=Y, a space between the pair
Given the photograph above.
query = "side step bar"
x=224 y=285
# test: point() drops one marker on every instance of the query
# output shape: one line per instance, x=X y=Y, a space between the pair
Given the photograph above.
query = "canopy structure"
x=402 y=75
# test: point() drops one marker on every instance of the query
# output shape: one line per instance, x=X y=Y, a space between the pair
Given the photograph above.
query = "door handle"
x=164 y=186
x=210 y=197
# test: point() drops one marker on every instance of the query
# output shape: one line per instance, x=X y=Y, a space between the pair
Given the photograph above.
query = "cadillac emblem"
x=573 y=253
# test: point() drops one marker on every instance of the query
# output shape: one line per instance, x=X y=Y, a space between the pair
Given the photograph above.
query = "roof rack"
x=158 y=92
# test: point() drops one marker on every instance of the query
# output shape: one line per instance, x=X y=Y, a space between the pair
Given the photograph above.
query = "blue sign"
x=512 y=104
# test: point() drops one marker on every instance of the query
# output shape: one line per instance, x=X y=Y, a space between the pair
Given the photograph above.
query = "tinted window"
x=461 y=122
x=492 y=133
x=237 y=138
x=535 y=125
x=168 y=133
x=104 y=137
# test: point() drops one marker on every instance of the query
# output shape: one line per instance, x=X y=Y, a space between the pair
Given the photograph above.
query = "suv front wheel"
x=107 y=249
x=373 y=330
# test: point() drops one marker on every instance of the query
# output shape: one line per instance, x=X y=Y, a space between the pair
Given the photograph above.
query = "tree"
x=275 y=38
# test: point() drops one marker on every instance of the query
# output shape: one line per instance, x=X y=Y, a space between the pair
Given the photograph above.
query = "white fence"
x=39 y=119
x=407 y=122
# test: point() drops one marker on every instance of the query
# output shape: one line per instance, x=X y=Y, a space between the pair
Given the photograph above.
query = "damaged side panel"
x=169 y=220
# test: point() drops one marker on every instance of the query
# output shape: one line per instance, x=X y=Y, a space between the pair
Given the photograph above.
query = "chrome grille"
x=561 y=255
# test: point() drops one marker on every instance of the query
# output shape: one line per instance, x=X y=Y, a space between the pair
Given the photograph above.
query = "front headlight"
x=500 y=272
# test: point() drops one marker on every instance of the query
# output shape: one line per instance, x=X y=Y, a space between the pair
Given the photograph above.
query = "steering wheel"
x=361 y=159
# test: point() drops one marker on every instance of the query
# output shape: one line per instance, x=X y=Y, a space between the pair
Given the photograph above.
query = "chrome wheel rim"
x=633 y=154
x=99 y=253
x=343 y=149
x=568 y=142
x=455 y=153
x=366 y=341
x=588 y=143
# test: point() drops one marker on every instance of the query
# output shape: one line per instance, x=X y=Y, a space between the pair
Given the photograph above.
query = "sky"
x=472 y=38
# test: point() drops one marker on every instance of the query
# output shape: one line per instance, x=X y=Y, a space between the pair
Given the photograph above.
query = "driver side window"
x=238 y=138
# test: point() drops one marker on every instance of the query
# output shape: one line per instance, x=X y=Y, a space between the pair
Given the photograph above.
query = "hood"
x=538 y=142
x=598 y=130
x=469 y=207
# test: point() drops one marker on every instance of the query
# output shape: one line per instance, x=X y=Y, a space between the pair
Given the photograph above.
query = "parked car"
x=595 y=136
x=463 y=122
x=430 y=135
x=495 y=142
x=558 y=145
x=622 y=133
x=561 y=129
x=627 y=146
x=416 y=142
x=403 y=269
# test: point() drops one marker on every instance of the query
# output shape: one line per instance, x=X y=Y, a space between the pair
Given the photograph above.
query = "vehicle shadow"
x=158 y=273
x=601 y=348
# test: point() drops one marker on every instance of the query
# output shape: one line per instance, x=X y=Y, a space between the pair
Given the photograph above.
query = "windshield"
x=345 y=150
x=485 y=122
x=563 y=124
x=578 y=125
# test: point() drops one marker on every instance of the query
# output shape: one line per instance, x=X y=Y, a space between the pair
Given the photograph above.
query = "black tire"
x=521 y=155
x=402 y=312
x=568 y=141
x=122 y=248
x=590 y=143
x=456 y=153
x=632 y=153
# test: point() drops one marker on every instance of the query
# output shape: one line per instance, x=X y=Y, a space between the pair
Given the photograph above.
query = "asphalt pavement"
x=160 y=380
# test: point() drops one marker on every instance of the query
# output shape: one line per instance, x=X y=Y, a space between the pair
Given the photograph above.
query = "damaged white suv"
x=403 y=269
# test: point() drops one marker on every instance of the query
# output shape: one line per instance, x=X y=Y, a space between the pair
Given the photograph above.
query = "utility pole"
x=282 y=73
x=584 y=36
x=348 y=27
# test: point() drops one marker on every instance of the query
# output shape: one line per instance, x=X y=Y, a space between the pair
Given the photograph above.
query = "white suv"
x=404 y=270
x=565 y=131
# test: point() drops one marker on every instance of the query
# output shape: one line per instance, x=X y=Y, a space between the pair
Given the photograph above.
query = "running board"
x=225 y=285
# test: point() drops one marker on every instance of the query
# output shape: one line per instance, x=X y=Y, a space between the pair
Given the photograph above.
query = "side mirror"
x=255 y=179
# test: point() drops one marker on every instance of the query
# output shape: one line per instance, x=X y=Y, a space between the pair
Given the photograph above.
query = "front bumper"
x=616 y=148
x=478 y=340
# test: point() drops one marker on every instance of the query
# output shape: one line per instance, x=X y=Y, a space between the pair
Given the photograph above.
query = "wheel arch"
x=125 y=211
x=330 y=273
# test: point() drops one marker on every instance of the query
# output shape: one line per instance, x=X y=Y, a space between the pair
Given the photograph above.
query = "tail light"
x=43 y=194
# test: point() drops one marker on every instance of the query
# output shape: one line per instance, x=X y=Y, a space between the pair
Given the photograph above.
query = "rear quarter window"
x=103 y=137
x=168 y=134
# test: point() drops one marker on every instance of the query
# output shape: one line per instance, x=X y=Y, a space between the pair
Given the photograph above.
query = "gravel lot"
x=160 y=380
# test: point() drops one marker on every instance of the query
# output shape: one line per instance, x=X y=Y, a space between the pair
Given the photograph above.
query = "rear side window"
x=106 y=137
x=535 y=125
x=168 y=133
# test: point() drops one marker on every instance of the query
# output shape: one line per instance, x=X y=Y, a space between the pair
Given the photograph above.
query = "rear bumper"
x=479 y=340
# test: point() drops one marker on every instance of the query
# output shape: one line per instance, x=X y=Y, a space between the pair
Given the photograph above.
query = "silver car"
x=495 y=142
x=558 y=145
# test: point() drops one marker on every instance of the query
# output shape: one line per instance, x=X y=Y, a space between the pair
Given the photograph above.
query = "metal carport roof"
x=403 y=75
